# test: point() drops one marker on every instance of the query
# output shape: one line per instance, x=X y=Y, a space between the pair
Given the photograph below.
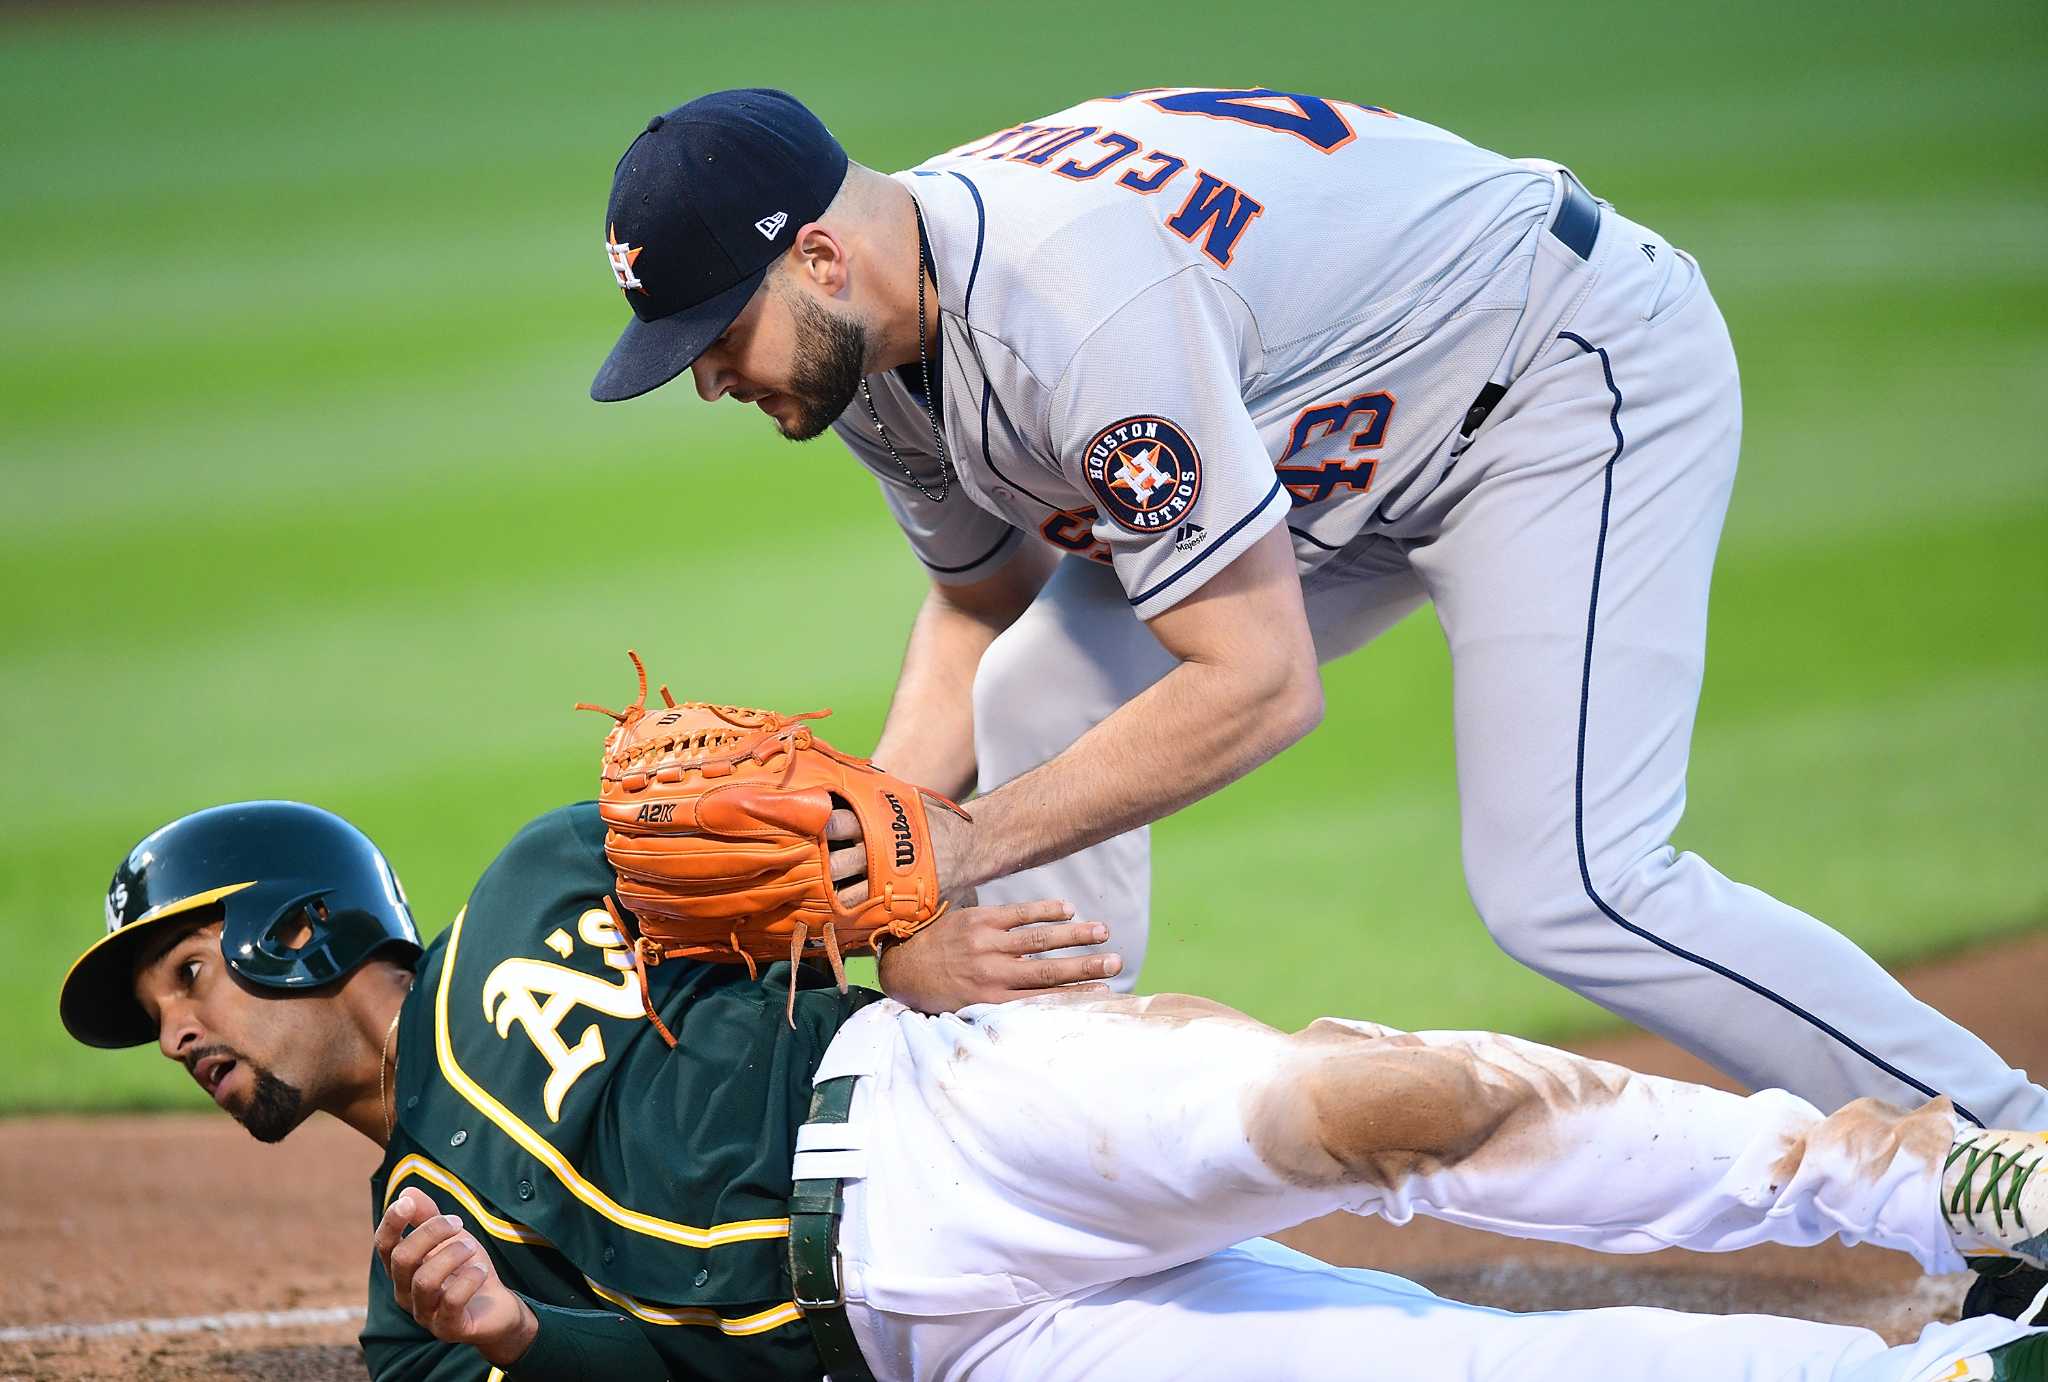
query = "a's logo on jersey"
x=1145 y=471
x=541 y=996
x=771 y=226
x=622 y=257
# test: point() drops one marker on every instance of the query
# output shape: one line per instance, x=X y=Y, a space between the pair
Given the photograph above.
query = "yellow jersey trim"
x=505 y=1230
x=545 y=1152
x=774 y=1317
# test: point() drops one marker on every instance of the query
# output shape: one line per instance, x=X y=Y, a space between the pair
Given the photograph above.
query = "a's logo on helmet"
x=117 y=903
x=1145 y=471
x=622 y=257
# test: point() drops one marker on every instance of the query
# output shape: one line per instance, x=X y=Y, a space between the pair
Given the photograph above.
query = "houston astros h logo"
x=1145 y=471
x=622 y=257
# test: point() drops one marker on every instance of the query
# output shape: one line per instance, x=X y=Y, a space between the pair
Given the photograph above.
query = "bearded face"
x=252 y=1053
x=830 y=357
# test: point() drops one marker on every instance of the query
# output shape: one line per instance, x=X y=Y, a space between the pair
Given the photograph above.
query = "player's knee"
x=1355 y=1107
x=1019 y=721
x=1041 y=685
x=1537 y=904
x=1527 y=902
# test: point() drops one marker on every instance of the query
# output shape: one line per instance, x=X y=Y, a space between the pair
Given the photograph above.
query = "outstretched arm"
x=1245 y=688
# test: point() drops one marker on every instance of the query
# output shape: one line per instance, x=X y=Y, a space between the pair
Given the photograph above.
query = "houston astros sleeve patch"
x=1145 y=471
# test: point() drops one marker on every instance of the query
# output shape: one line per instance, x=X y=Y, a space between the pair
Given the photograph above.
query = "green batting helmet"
x=271 y=867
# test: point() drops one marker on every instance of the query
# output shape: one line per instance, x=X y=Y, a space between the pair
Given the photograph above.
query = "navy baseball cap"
x=703 y=203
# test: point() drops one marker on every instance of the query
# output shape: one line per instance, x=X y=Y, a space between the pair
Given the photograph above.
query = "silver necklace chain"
x=924 y=366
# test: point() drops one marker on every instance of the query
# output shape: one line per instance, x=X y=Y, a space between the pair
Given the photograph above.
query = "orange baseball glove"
x=715 y=825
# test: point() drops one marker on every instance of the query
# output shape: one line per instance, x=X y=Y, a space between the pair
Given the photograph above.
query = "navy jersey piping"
x=1579 y=778
x=1001 y=543
x=1220 y=543
x=967 y=318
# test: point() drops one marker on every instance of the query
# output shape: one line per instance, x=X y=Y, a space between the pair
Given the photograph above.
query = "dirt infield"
x=174 y=1247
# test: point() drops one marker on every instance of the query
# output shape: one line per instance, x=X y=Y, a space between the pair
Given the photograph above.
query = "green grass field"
x=303 y=494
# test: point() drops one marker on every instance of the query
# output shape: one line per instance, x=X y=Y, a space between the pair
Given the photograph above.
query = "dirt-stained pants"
x=1065 y=1189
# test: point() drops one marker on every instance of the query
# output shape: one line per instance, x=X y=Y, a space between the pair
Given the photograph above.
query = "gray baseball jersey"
x=1173 y=319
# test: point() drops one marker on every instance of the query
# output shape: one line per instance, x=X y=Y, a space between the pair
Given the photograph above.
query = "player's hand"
x=443 y=1277
x=849 y=857
x=951 y=838
x=993 y=954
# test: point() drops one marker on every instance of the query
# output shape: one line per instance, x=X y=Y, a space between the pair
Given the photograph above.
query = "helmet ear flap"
x=299 y=939
x=289 y=946
x=295 y=927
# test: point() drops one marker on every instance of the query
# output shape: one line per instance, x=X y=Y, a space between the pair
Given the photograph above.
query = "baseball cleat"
x=2007 y=1287
x=1994 y=1195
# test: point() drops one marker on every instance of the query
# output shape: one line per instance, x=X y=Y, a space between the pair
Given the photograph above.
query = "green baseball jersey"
x=636 y=1195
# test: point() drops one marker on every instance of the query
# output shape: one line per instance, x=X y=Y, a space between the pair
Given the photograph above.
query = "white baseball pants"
x=1063 y=1189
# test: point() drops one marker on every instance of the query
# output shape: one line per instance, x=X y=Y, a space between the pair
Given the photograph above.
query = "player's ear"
x=819 y=256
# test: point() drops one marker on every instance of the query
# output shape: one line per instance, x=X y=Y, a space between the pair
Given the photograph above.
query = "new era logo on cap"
x=771 y=226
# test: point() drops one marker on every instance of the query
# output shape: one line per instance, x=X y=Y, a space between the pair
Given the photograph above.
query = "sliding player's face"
x=243 y=1046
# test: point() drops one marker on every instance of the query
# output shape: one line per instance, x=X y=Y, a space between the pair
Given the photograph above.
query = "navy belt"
x=1576 y=226
x=1577 y=222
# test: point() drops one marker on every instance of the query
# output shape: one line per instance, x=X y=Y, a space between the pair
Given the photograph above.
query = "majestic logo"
x=906 y=850
x=771 y=226
x=1187 y=535
x=622 y=257
x=1145 y=471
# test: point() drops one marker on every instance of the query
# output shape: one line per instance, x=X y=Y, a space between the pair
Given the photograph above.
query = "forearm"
x=559 y=1344
x=1200 y=727
x=928 y=737
x=571 y=1344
